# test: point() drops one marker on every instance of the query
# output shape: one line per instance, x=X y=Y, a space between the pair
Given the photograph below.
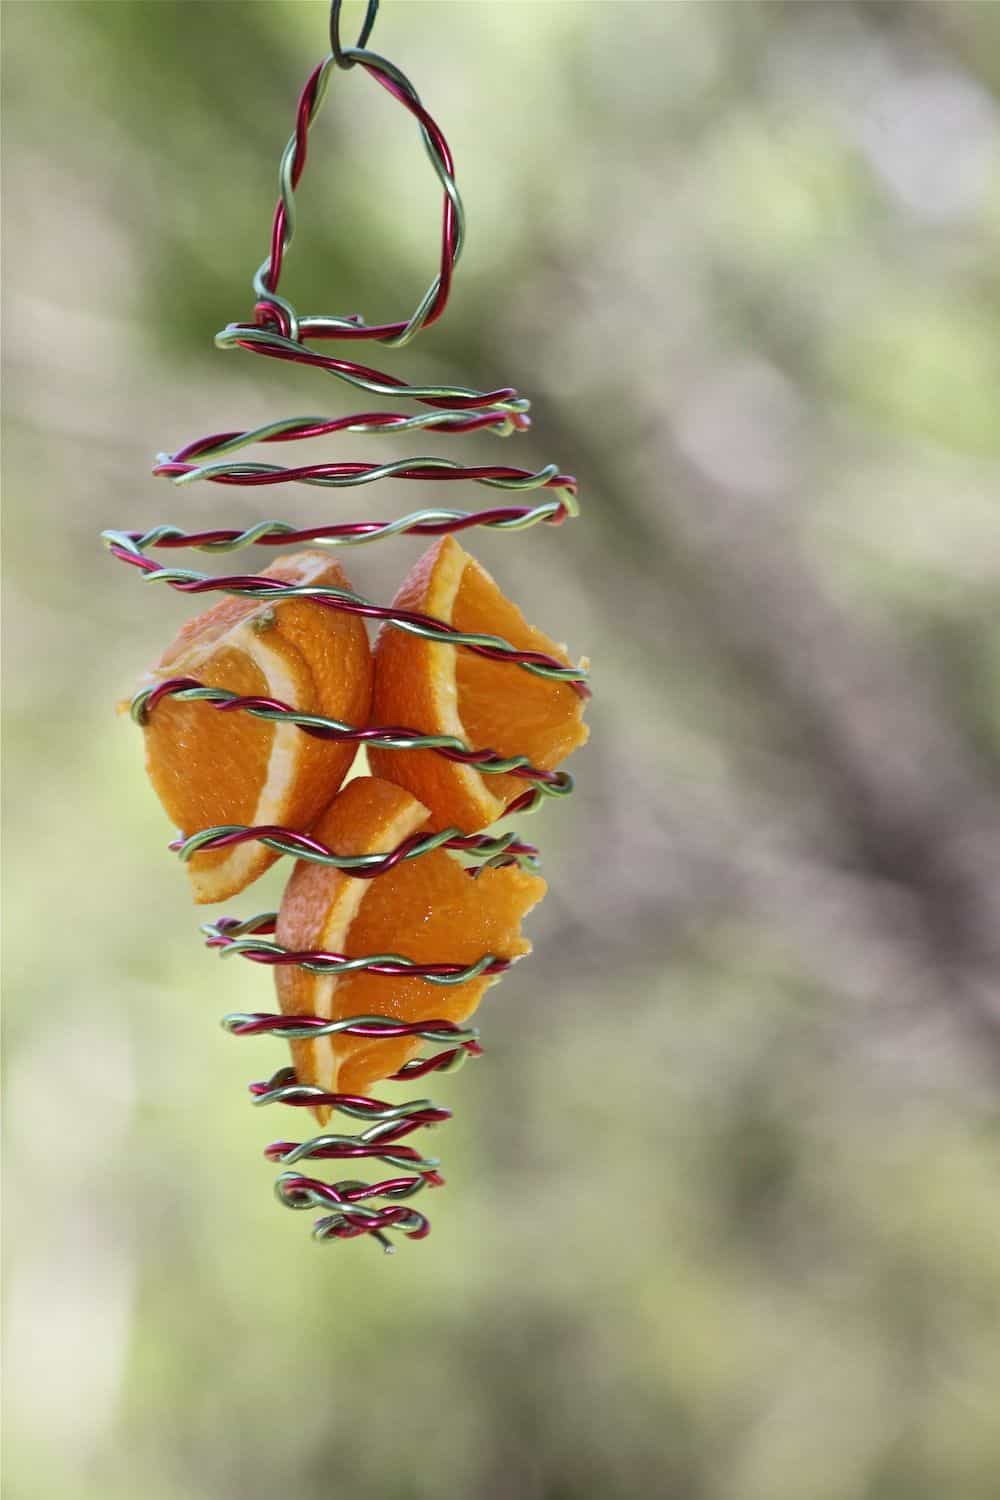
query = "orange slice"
x=441 y=689
x=209 y=767
x=427 y=909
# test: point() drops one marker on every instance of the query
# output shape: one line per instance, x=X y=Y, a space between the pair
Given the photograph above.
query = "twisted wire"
x=177 y=466
x=280 y=333
x=386 y=1127
x=284 y=1088
x=503 y=850
x=307 y=1028
x=351 y=1208
x=436 y=521
x=293 y=160
x=487 y=762
x=448 y=1060
x=352 y=1216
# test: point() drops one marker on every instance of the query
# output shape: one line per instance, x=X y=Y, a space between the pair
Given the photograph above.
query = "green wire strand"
x=431 y=515
x=283 y=1086
x=492 y=850
x=348 y=965
x=261 y=282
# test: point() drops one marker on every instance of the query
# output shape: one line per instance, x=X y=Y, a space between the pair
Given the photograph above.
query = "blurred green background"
x=723 y=1213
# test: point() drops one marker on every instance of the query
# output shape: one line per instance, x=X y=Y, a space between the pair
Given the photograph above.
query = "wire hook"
x=344 y=58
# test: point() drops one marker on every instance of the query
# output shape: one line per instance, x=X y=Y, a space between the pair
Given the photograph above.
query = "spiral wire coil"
x=279 y=332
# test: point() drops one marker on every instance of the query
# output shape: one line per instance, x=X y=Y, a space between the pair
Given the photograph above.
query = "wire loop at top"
x=342 y=58
x=272 y=310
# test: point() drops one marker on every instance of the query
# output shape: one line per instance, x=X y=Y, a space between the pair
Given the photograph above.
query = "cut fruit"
x=428 y=909
x=211 y=768
x=442 y=689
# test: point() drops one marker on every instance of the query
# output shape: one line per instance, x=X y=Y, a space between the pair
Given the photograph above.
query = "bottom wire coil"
x=388 y=1125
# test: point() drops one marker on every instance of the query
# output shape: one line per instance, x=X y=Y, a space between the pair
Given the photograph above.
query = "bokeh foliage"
x=722 y=1219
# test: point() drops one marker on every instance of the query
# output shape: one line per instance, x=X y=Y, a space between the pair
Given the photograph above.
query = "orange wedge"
x=211 y=768
x=428 y=909
x=441 y=689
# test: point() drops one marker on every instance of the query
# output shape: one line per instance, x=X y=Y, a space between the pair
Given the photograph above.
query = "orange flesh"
x=491 y=705
x=428 y=909
x=503 y=707
x=205 y=777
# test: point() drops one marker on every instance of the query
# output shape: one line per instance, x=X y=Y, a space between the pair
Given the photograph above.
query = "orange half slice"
x=428 y=909
x=211 y=768
x=442 y=689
